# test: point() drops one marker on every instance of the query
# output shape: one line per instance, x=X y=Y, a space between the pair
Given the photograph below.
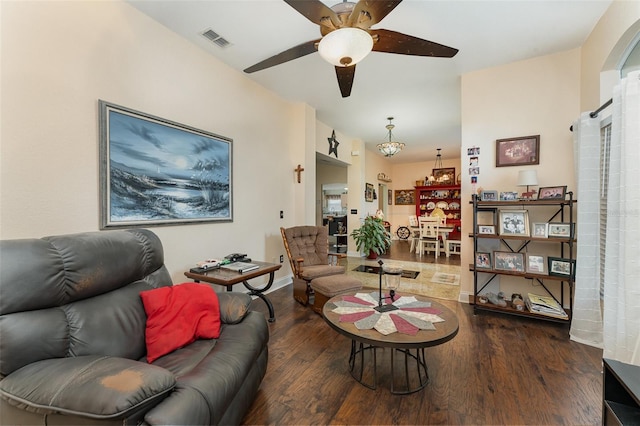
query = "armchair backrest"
x=310 y=243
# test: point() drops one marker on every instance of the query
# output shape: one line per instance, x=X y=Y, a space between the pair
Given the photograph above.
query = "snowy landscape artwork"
x=157 y=172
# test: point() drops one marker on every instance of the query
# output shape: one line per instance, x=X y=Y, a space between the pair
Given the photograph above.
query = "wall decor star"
x=333 y=144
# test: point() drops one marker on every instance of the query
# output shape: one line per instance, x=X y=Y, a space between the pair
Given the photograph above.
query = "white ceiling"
x=422 y=93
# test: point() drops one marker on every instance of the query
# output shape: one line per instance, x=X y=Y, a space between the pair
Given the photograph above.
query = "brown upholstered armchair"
x=308 y=251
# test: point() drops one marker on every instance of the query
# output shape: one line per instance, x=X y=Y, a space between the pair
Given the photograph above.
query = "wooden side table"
x=229 y=278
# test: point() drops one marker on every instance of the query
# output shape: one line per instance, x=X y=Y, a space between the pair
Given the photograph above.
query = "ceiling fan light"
x=345 y=46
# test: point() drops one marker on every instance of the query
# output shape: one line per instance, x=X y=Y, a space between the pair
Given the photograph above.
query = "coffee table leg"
x=421 y=367
x=253 y=291
x=352 y=363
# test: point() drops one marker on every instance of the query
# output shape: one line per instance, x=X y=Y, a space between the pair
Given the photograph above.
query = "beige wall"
x=539 y=96
x=59 y=58
x=602 y=51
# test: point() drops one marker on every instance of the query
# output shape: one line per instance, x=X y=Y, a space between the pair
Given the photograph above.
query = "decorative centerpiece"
x=392 y=281
x=372 y=237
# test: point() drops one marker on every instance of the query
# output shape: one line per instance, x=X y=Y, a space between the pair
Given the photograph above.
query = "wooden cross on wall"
x=299 y=170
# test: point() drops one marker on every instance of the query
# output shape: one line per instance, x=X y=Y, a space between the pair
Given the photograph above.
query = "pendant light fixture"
x=444 y=178
x=391 y=147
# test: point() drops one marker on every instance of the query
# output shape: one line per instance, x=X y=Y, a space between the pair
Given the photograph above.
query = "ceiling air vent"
x=215 y=37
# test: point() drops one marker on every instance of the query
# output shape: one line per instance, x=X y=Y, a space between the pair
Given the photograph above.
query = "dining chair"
x=414 y=229
x=429 y=235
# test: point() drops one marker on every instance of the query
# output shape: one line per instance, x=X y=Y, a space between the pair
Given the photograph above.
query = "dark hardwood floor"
x=499 y=369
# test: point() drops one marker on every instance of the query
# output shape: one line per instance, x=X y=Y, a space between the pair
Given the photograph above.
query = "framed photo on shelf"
x=552 y=193
x=522 y=151
x=508 y=261
x=561 y=267
x=536 y=264
x=154 y=171
x=483 y=260
x=368 y=192
x=559 y=230
x=487 y=229
x=540 y=230
x=405 y=197
x=514 y=222
x=488 y=195
x=508 y=196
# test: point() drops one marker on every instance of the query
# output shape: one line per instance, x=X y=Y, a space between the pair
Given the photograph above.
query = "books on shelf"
x=545 y=305
x=240 y=267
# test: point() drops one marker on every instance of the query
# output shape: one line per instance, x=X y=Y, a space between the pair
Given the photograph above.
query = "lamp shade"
x=345 y=46
x=527 y=177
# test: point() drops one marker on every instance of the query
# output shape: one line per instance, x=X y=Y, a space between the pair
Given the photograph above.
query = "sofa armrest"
x=96 y=387
x=233 y=306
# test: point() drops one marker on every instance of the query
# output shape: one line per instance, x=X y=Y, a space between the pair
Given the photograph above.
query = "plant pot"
x=372 y=255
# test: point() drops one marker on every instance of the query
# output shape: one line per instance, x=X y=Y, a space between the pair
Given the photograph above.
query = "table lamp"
x=527 y=178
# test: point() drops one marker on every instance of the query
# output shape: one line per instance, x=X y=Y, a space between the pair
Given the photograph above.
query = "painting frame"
x=439 y=173
x=488 y=195
x=514 y=223
x=536 y=264
x=157 y=172
x=540 y=230
x=561 y=267
x=508 y=261
x=486 y=230
x=483 y=260
x=368 y=192
x=404 y=197
x=552 y=192
x=560 y=230
x=520 y=151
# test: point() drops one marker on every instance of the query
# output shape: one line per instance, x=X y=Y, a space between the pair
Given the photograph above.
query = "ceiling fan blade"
x=345 y=79
x=368 y=13
x=315 y=11
x=296 y=52
x=403 y=44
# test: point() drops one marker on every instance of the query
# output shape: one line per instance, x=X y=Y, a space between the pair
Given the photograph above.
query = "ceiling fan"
x=347 y=37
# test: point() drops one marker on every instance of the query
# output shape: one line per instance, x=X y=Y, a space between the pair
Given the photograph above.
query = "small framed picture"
x=489 y=196
x=514 y=222
x=561 y=267
x=487 y=229
x=508 y=196
x=507 y=261
x=483 y=260
x=552 y=193
x=559 y=230
x=540 y=230
x=536 y=264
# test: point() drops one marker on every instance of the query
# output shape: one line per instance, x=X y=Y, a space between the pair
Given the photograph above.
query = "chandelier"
x=391 y=147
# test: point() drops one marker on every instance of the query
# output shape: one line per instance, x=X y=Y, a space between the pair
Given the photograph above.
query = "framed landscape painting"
x=157 y=172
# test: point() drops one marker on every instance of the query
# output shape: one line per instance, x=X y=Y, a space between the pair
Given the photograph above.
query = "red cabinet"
x=444 y=197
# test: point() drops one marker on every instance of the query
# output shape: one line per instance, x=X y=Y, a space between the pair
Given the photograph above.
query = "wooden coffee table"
x=228 y=278
x=369 y=341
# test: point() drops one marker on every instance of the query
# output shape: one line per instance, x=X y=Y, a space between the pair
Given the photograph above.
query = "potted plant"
x=372 y=238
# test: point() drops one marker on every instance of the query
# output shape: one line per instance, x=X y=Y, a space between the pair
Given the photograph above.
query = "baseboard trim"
x=464 y=297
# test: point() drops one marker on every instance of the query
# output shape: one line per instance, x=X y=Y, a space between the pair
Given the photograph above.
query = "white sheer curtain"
x=586 y=323
x=622 y=262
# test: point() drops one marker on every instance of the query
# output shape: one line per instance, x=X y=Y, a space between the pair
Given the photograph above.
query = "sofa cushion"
x=178 y=315
x=98 y=387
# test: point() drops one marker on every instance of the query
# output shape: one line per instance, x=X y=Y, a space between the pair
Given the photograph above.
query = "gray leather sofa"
x=72 y=339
